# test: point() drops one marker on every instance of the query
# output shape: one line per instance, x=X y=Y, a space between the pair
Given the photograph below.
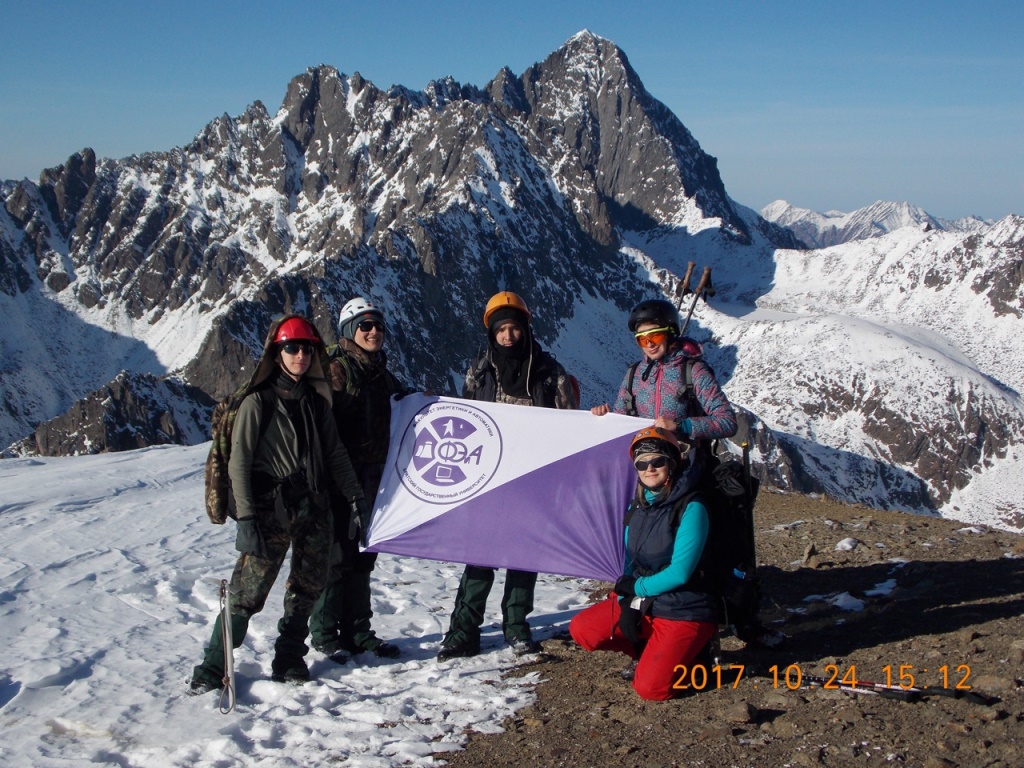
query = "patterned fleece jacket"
x=659 y=389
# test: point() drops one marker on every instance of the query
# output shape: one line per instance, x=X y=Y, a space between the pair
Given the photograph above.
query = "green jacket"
x=278 y=454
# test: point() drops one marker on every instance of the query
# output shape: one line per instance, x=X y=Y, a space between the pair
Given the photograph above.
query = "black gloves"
x=249 y=540
x=625 y=586
x=359 y=519
x=629 y=622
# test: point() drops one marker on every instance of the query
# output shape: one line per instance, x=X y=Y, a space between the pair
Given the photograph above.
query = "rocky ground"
x=939 y=598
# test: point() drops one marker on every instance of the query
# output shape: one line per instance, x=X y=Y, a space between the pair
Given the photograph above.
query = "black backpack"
x=729 y=562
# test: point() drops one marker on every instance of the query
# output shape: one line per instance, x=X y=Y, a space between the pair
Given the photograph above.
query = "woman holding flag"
x=671 y=385
x=659 y=612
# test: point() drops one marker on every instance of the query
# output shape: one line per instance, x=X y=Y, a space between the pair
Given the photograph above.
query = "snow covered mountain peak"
x=569 y=184
x=820 y=230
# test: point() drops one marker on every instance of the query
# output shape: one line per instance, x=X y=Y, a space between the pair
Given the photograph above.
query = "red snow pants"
x=671 y=645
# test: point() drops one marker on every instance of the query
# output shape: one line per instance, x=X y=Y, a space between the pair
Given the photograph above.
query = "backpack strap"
x=696 y=409
x=680 y=508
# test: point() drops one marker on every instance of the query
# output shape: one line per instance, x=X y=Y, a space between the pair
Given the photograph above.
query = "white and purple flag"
x=504 y=486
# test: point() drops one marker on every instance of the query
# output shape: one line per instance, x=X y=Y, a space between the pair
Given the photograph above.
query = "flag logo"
x=449 y=452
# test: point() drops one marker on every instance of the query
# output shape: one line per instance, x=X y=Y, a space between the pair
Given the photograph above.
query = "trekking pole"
x=226 y=703
x=703 y=289
x=683 y=290
x=866 y=689
x=685 y=285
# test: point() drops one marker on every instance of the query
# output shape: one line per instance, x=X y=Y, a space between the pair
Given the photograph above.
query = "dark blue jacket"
x=665 y=558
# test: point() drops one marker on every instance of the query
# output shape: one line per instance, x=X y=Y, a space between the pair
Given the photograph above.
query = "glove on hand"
x=359 y=519
x=629 y=623
x=249 y=540
x=625 y=586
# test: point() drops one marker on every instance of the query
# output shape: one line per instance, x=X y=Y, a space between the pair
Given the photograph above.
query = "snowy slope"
x=108 y=589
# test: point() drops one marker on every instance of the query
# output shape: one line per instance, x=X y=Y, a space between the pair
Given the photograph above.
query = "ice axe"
x=227 y=695
x=704 y=288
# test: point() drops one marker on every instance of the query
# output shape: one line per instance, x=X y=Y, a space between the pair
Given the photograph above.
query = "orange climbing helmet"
x=505 y=300
x=656 y=440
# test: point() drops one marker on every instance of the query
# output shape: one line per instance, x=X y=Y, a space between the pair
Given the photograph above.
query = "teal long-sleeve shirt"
x=689 y=545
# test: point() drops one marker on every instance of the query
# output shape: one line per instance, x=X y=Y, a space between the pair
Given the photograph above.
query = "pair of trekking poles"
x=704 y=289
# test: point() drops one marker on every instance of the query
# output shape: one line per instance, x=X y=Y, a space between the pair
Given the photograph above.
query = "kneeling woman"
x=657 y=614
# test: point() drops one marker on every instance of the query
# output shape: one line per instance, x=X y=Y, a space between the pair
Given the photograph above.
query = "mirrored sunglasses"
x=295 y=347
x=655 y=463
x=368 y=325
x=653 y=337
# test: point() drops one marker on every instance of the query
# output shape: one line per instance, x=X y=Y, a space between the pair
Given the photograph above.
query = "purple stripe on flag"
x=563 y=518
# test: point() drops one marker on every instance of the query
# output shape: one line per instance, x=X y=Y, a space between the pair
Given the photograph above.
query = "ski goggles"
x=295 y=347
x=653 y=337
x=368 y=325
x=656 y=463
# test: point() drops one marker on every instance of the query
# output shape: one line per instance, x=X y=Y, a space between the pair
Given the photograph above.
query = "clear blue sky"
x=830 y=105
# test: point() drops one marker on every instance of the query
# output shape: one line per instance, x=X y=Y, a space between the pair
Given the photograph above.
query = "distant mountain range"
x=884 y=371
x=820 y=230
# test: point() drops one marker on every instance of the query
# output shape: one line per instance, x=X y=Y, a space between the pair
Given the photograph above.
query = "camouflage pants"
x=308 y=529
x=306 y=526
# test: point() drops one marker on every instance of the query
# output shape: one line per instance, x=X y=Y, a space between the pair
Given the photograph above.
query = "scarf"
x=297 y=397
x=513 y=365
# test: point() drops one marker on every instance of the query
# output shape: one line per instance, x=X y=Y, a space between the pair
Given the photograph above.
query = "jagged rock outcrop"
x=441 y=194
x=132 y=411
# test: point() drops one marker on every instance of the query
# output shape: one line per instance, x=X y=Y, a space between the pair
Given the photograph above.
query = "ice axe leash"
x=704 y=288
x=226 y=703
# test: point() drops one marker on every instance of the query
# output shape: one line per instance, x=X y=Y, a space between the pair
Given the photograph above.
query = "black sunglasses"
x=656 y=463
x=368 y=325
x=294 y=347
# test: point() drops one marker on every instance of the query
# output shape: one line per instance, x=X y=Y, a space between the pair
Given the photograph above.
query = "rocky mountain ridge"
x=569 y=184
x=821 y=230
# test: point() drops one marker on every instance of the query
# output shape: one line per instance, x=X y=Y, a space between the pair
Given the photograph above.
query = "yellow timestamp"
x=906 y=677
x=903 y=676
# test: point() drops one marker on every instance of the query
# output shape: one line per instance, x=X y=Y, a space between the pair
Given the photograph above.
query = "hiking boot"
x=326 y=648
x=199 y=686
x=522 y=646
x=294 y=675
x=379 y=648
x=293 y=672
x=338 y=657
x=204 y=681
x=629 y=671
x=457 y=651
x=333 y=651
x=386 y=650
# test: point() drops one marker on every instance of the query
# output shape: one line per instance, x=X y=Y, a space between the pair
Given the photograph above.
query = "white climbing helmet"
x=353 y=311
